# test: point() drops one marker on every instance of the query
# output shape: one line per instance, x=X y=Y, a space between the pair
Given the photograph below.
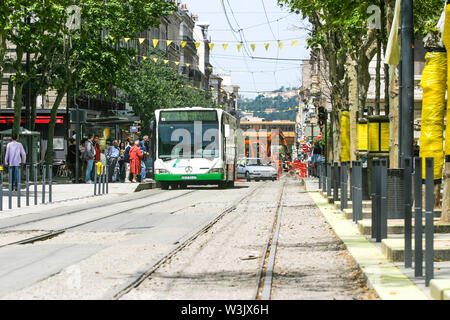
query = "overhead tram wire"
x=234 y=31
x=277 y=39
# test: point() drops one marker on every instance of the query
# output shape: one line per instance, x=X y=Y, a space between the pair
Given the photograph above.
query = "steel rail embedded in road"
x=182 y=243
x=55 y=233
x=265 y=275
x=71 y=212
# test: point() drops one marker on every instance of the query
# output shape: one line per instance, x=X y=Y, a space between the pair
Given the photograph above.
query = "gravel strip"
x=311 y=262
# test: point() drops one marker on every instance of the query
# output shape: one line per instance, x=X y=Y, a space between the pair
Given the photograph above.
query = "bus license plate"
x=189 y=177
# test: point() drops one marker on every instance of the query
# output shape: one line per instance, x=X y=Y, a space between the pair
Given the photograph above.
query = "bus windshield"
x=188 y=140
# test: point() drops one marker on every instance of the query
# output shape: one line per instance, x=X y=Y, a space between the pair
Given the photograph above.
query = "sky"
x=254 y=75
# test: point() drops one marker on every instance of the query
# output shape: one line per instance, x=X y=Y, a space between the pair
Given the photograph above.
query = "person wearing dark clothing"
x=122 y=162
x=71 y=158
x=112 y=159
x=416 y=149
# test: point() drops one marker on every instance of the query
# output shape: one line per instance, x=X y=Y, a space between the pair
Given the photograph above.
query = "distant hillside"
x=272 y=108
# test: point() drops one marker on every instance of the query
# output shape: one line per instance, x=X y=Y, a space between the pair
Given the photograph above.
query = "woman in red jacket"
x=135 y=160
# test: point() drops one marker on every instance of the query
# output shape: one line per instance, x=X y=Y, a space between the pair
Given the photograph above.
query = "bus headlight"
x=161 y=171
x=216 y=170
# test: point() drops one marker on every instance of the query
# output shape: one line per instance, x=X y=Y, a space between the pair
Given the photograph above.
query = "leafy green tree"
x=155 y=85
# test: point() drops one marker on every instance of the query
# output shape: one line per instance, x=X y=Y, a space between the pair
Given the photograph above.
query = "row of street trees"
x=75 y=47
x=347 y=35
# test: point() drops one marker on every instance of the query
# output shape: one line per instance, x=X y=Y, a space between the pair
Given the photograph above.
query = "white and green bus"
x=194 y=146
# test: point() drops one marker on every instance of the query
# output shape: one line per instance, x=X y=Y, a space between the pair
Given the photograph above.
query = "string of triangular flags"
x=225 y=45
x=275 y=111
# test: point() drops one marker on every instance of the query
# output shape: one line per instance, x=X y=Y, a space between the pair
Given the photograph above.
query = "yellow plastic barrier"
x=363 y=141
x=385 y=137
x=446 y=40
x=345 y=136
x=374 y=136
x=433 y=110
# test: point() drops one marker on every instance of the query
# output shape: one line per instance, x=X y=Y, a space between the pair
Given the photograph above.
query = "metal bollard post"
x=336 y=182
x=43 y=183
x=359 y=189
x=19 y=182
x=9 y=187
x=100 y=181
x=344 y=186
x=328 y=180
x=429 y=223
x=107 y=180
x=1 y=189
x=35 y=185
x=353 y=194
x=324 y=182
x=418 y=225
x=50 y=181
x=27 y=183
x=408 y=212
x=95 y=181
x=382 y=188
x=104 y=179
x=319 y=171
x=375 y=202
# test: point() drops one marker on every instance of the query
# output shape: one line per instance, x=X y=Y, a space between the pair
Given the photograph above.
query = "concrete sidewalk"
x=385 y=277
x=64 y=194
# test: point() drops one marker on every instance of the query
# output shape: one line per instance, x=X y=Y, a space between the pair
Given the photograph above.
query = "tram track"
x=143 y=275
x=54 y=233
x=263 y=289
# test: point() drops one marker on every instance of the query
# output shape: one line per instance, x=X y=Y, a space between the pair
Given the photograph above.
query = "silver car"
x=255 y=169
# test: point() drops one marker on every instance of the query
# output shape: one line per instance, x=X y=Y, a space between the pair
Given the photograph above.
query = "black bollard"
x=418 y=225
x=1 y=189
x=329 y=180
x=408 y=212
x=375 y=198
x=344 y=186
x=35 y=185
x=95 y=181
x=50 y=181
x=382 y=191
x=27 y=183
x=9 y=187
x=336 y=182
x=19 y=182
x=43 y=183
x=429 y=223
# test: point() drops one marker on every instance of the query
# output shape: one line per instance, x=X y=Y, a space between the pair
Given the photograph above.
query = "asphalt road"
x=108 y=242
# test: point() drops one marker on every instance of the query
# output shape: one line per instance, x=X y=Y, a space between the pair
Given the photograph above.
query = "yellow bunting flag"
x=196 y=88
x=155 y=59
x=267 y=45
x=126 y=39
x=225 y=46
x=294 y=43
x=239 y=46
x=280 y=44
x=141 y=40
x=144 y=57
x=183 y=44
x=197 y=45
x=198 y=66
x=188 y=65
x=177 y=63
x=189 y=86
x=169 y=42
x=211 y=46
x=166 y=61
x=155 y=42
x=111 y=37
x=253 y=46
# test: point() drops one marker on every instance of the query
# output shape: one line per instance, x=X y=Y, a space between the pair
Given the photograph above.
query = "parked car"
x=256 y=169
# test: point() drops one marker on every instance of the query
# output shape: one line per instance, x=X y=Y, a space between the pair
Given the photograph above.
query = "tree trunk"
x=353 y=100
x=378 y=80
x=52 y=124
x=2 y=55
x=445 y=217
x=18 y=103
x=393 y=119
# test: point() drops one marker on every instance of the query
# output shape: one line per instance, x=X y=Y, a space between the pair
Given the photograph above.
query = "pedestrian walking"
x=112 y=159
x=122 y=162
x=126 y=158
x=71 y=158
x=89 y=155
x=15 y=157
x=135 y=160
x=83 y=164
x=147 y=159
